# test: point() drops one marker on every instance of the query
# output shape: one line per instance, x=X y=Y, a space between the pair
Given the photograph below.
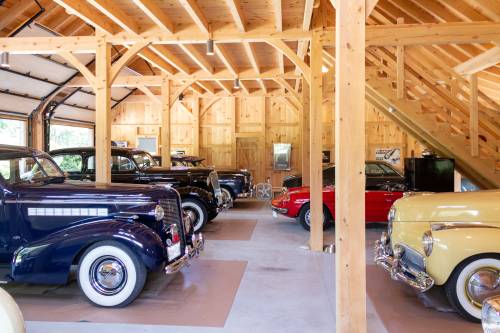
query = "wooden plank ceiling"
x=441 y=62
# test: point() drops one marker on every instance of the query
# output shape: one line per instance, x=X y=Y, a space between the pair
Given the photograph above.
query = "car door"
x=123 y=170
x=5 y=236
x=377 y=205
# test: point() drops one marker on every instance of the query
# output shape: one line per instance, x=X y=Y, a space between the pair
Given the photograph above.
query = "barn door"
x=248 y=157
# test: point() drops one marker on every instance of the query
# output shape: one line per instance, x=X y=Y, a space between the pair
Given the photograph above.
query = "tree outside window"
x=62 y=136
x=13 y=132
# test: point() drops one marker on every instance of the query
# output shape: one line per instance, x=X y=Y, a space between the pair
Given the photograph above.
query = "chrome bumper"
x=280 y=210
x=417 y=279
x=198 y=244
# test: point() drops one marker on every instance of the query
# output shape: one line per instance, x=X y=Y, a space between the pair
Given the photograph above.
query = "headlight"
x=390 y=219
x=490 y=315
x=208 y=181
x=159 y=213
x=427 y=242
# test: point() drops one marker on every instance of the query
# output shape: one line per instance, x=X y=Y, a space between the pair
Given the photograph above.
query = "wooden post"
x=165 y=123
x=474 y=116
x=305 y=133
x=400 y=64
x=103 y=111
x=196 y=127
x=232 y=105
x=316 y=144
x=350 y=167
x=263 y=140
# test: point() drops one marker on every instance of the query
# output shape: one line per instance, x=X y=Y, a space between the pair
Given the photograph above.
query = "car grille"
x=173 y=215
x=413 y=259
x=214 y=180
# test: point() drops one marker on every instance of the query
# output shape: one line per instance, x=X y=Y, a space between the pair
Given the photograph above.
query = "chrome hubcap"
x=108 y=275
x=483 y=283
x=194 y=216
x=308 y=218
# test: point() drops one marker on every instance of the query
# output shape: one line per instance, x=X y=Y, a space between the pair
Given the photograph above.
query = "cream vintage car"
x=446 y=239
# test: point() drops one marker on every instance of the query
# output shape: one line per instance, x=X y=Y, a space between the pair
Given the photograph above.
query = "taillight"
x=173 y=235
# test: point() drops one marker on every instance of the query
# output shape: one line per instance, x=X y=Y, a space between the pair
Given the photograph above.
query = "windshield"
x=144 y=160
x=28 y=169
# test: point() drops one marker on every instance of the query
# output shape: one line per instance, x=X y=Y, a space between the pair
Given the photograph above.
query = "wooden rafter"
x=207 y=87
x=89 y=14
x=12 y=14
x=278 y=15
x=224 y=86
x=155 y=14
x=237 y=13
x=250 y=51
x=369 y=6
x=225 y=58
x=171 y=58
x=481 y=62
x=197 y=57
x=287 y=51
x=196 y=14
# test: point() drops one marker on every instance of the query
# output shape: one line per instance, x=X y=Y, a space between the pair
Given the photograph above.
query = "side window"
x=122 y=163
x=373 y=170
x=329 y=176
x=69 y=163
x=91 y=164
x=388 y=171
x=5 y=169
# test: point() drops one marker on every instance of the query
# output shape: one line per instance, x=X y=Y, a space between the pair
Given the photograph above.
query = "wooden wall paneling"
x=232 y=106
x=350 y=262
x=196 y=127
x=316 y=145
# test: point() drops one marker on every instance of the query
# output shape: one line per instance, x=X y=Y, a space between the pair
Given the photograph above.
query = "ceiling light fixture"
x=324 y=69
x=181 y=96
x=4 y=63
x=210 y=47
x=236 y=83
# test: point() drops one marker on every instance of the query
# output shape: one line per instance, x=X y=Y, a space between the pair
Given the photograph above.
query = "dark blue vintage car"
x=113 y=234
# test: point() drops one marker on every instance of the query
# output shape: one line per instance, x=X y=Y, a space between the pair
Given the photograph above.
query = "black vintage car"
x=379 y=176
x=113 y=234
x=235 y=183
x=199 y=188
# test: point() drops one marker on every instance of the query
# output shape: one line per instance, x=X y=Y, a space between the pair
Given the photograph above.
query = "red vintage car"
x=295 y=203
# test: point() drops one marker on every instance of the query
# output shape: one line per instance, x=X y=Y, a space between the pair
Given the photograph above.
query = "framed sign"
x=390 y=155
x=148 y=143
x=326 y=156
x=282 y=154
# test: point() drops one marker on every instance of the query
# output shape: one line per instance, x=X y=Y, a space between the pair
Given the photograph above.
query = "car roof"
x=10 y=151
x=92 y=150
x=188 y=158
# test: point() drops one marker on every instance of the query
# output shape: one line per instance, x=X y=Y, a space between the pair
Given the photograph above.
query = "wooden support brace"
x=474 y=116
x=165 y=124
x=294 y=58
x=75 y=62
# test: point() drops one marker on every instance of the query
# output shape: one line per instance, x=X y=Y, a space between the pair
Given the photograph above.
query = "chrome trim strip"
x=79 y=202
x=461 y=225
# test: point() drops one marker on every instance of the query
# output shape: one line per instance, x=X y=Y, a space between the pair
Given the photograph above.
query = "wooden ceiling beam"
x=481 y=62
x=13 y=13
x=224 y=86
x=155 y=80
x=226 y=59
x=89 y=14
x=206 y=86
x=155 y=14
x=197 y=57
x=109 y=9
x=278 y=15
x=196 y=14
x=235 y=8
x=369 y=6
x=250 y=51
x=171 y=58
x=262 y=85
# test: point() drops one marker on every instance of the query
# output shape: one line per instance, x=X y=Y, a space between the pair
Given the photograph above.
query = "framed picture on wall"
x=282 y=155
x=148 y=143
x=390 y=155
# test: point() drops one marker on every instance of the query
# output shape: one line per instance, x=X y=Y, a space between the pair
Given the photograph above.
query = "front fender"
x=198 y=193
x=452 y=246
x=48 y=260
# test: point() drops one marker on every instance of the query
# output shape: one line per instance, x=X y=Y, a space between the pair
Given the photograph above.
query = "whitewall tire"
x=470 y=283
x=110 y=274
x=199 y=211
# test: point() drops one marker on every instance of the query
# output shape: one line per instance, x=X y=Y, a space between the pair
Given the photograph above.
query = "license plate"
x=174 y=251
x=275 y=215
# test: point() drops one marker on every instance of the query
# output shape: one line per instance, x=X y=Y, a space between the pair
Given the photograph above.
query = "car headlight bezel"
x=428 y=242
x=490 y=314
x=159 y=213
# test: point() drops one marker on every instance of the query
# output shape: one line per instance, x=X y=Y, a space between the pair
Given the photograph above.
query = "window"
x=373 y=170
x=69 y=163
x=144 y=160
x=13 y=132
x=26 y=169
x=389 y=171
x=122 y=163
x=63 y=136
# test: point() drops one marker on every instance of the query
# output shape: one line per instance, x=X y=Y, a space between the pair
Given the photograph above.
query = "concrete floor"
x=284 y=288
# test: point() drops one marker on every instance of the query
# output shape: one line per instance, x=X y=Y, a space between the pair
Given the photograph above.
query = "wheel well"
x=330 y=217
x=229 y=189
x=473 y=258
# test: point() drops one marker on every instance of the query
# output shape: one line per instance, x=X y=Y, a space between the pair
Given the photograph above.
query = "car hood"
x=78 y=191
x=480 y=206
x=232 y=172
x=157 y=170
